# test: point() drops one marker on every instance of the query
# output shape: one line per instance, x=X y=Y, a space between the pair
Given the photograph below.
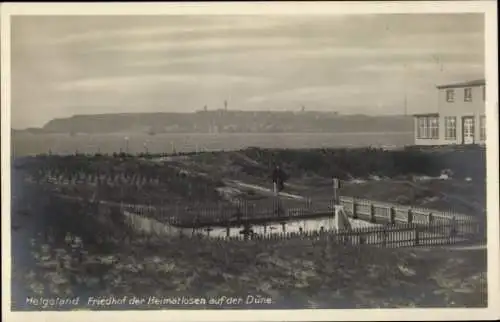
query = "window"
x=422 y=128
x=482 y=126
x=450 y=126
x=433 y=128
x=428 y=127
x=450 y=95
x=468 y=94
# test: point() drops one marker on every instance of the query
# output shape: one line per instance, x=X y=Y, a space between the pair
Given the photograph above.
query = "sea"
x=23 y=144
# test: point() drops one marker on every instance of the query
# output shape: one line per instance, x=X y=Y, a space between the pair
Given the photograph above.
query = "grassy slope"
x=293 y=275
x=339 y=277
x=450 y=195
x=309 y=176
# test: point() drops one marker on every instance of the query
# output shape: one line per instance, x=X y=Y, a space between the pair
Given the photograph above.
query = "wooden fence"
x=388 y=235
x=368 y=210
x=376 y=211
x=401 y=226
x=240 y=210
x=385 y=236
x=400 y=235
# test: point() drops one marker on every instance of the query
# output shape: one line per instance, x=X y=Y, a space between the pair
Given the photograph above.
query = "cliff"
x=229 y=122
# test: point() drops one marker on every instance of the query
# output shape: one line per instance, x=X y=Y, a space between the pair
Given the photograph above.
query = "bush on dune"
x=362 y=162
x=338 y=276
x=332 y=162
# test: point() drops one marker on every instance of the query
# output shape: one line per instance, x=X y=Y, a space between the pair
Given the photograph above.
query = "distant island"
x=225 y=121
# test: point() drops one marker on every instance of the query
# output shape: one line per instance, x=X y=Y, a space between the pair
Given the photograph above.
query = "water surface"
x=26 y=144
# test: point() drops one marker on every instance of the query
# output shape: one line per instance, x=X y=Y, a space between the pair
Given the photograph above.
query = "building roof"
x=477 y=82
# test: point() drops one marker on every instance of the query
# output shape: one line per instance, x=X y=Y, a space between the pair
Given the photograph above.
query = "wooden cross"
x=336 y=188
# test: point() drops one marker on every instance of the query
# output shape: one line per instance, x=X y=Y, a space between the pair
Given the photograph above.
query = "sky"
x=68 y=65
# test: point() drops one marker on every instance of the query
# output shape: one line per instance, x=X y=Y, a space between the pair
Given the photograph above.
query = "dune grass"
x=293 y=274
x=85 y=252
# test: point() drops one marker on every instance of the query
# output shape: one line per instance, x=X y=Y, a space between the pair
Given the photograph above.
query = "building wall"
x=428 y=142
x=458 y=108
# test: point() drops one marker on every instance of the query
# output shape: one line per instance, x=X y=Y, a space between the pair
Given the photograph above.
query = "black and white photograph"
x=184 y=160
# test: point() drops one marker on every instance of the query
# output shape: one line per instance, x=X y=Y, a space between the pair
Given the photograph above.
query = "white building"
x=460 y=118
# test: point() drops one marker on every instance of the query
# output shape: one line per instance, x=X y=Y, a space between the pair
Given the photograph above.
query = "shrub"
x=361 y=162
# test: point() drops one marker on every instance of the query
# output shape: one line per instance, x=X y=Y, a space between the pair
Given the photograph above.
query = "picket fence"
x=376 y=211
x=388 y=235
x=244 y=210
x=401 y=235
x=408 y=235
x=404 y=226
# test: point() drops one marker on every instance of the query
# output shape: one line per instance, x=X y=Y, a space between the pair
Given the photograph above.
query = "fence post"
x=392 y=215
x=417 y=237
x=325 y=243
x=372 y=213
x=354 y=210
x=430 y=218
x=453 y=229
x=336 y=188
x=283 y=225
x=409 y=219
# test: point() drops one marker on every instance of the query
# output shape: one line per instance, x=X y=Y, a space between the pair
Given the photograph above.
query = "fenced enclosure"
x=444 y=228
x=275 y=208
x=397 y=225
x=87 y=216
x=390 y=235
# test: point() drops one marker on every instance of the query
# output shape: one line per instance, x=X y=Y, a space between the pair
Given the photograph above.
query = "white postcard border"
x=489 y=8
